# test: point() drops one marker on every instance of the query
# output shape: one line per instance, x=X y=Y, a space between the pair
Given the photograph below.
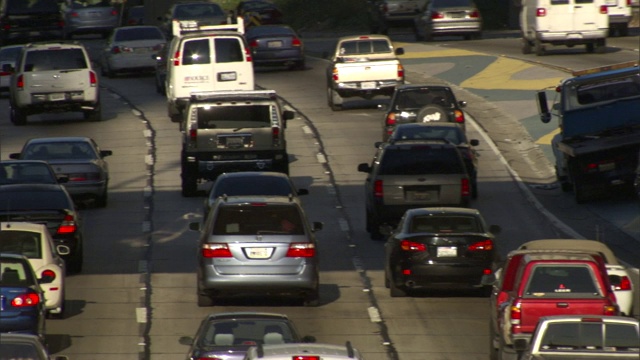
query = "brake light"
x=74 y=14
x=305 y=250
x=378 y=191
x=437 y=15
x=93 y=79
x=474 y=14
x=115 y=50
x=275 y=135
x=247 y=54
x=459 y=115
x=484 y=245
x=48 y=273
x=604 y=9
x=541 y=12
x=390 y=120
x=253 y=43
x=305 y=357
x=20 y=82
x=335 y=74
x=296 y=42
x=114 y=12
x=628 y=2
x=216 y=251
x=408 y=245
x=611 y=310
x=68 y=225
x=5 y=73
x=26 y=300
x=624 y=284
x=465 y=189
x=516 y=314
x=400 y=71
x=176 y=58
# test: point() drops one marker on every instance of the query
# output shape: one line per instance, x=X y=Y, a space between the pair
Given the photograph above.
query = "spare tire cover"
x=431 y=113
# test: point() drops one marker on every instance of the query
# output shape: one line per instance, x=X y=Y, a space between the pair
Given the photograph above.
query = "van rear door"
x=573 y=16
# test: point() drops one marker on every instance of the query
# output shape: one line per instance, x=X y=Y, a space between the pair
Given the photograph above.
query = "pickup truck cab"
x=536 y=283
x=363 y=66
x=583 y=337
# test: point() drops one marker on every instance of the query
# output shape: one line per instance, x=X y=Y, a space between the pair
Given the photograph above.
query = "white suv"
x=54 y=77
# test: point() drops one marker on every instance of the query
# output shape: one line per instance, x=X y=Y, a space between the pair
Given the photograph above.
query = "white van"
x=206 y=58
x=620 y=14
x=564 y=22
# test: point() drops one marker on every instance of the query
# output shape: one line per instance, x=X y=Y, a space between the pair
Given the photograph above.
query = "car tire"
x=474 y=189
x=432 y=111
x=590 y=47
x=18 y=116
x=101 y=201
x=159 y=88
x=374 y=229
x=333 y=99
x=539 y=47
x=94 y=115
x=600 y=46
x=312 y=299
x=493 y=351
x=395 y=291
x=428 y=34
x=526 y=47
x=189 y=184
x=74 y=265
x=58 y=315
x=205 y=300
x=416 y=33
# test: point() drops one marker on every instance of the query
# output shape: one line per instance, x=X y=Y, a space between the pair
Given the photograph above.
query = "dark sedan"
x=23 y=346
x=47 y=204
x=276 y=45
x=229 y=335
x=22 y=306
x=450 y=132
x=28 y=172
x=440 y=248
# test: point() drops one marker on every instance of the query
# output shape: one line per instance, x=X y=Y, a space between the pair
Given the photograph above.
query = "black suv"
x=422 y=103
x=409 y=174
x=227 y=131
x=24 y=21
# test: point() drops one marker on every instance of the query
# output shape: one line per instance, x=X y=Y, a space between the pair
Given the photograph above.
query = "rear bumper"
x=301 y=283
x=367 y=88
x=443 y=276
x=563 y=38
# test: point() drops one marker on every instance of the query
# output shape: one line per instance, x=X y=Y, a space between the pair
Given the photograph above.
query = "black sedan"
x=442 y=130
x=47 y=204
x=440 y=248
x=276 y=45
x=229 y=335
x=28 y=172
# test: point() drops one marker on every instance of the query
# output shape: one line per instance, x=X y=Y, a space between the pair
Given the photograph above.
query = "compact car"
x=231 y=334
x=8 y=57
x=51 y=205
x=257 y=245
x=448 y=17
x=89 y=17
x=130 y=48
x=276 y=45
x=28 y=172
x=79 y=159
x=26 y=347
x=440 y=248
x=251 y=183
x=35 y=243
x=23 y=309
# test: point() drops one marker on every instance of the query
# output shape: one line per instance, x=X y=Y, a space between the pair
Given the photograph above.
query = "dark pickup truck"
x=536 y=283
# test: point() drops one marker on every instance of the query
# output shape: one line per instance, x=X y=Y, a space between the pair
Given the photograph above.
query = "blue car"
x=22 y=306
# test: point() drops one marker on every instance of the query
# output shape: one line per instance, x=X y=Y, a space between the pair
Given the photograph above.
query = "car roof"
x=54 y=45
x=399 y=143
x=603 y=318
x=246 y=314
x=15 y=337
x=287 y=351
x=13 y=256
x=23 y=226
x=572 y=244
x=443 y=210
x=30 y=187
x=59 y=139
x=364 y=37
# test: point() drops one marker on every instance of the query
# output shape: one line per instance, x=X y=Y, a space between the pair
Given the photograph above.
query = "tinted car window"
x=19 y=351
x=230 y=117
x=34 y=200
x=451 y=134
x=452 y=3
x=60 y=150
x=622 y=337
x=228 y=50
x=63 y=59
x=25 y=243
x=26 y=173
x=553 y=280
x=76 y=4
x=422 y=97
x=252 y=220
x=248 y=186
x=10 y=54
x=448 y=224
x=410 y=162
x=364 y=47
x=30 y=7
x=246 y=332
x=590 y=336
x=268 y=30
x=196 y=52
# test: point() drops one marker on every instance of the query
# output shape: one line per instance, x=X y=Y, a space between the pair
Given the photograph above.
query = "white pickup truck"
x=363 y=66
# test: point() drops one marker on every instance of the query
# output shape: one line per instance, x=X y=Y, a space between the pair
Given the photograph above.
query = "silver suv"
x=257 y=245
x=227 y=131
x=54 y=77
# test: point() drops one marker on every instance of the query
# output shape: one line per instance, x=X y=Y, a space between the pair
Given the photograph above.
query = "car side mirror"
x=104 y=153
x=303 y=192
x=386 y=229
x=474 y=142
x=63 y=250
x=399 y=51
x=364 y=167
x=308 y=339
x=288 y=114
x=488 y=280
x=462 y=103
x=195 y=226
x=186 y=340
x=317 y=226
x=543 y=108
x=62 y=179
x=15 y=156
x=520 y=344
x=377 y=144
x=495 y=229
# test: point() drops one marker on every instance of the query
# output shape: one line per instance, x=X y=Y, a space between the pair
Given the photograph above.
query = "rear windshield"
x=562 y=281
x=258 y=219
x=59 y=59
x=415 y=99
x=591 y=336
x=19 y=242
x=363 y=47
x=246 y=332
x=26 y=173
x=82 y=4
x=449 y=133
x=604 y=91
x=33 y=200
x=445 y=224
x=10 y=54
x=261 y=185
x=197 y=52
x=15 y=273
x=78 y=150
x=32 y=7
x=232 y=117
x=453 y=3
x=18 y=350
x=411 y=160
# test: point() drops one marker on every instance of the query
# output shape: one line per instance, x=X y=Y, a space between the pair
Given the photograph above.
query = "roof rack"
x=184 y=27
x=233 y=95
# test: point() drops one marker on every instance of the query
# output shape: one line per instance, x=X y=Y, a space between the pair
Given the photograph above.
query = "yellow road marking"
x=546 y=139
x=499 y=76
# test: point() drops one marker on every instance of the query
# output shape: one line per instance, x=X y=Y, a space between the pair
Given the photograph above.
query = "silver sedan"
x=130 y=48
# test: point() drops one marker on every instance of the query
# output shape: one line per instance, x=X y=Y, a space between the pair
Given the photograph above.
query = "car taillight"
x=611 y=310
x=334 y=73
x=484 y=245
x=176 y=58
x=465 y=189
x=541 y=12
x=400 y=71
x=437 y=15
x=275 y=135
x=305 y=250
x=604 y=9
x=193 y=134
x=516 y=314
x=93 y=79
x=459 y=115
x=408 y=245
x=20 y=82
x=216 y=251
x=390 y=120
x=26 y=300
x=68 y=225
x=114 y=12
x=296 y=42
x=247 y=54
x=378 y=191
x=305 y=357
x=48 y=274
x=74 y=14
x=93 y=176
x=115 y=50
x=5 y=73
x=621 y=283
x=253 y=43
x=474 y=14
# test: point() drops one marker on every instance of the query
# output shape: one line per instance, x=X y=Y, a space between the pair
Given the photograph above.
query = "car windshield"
x=58 y=59
x=139 y=33
x=33 y=200
x=445 y=224
x=258 y=219
x=60 y=151
x=26 y=173
x=14 y=273
x=246 y=332
x=18 y=350
x=590 y=337
x=408 y=161
x=561 y=281
x=32 y=7
x=417 y=98
x=259 y=185
x=27 y=243
x=449 y=133
x=231 y=117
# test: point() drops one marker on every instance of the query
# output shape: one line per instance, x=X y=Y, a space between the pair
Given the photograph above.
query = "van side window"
x=196 y=52
x=583 y=1
x=228 y=50
x=559 y=2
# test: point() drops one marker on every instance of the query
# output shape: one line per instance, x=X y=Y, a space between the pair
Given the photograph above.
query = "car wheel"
x=540 y=50
x=432 y=113
x=590 y=47
x=374 y=232
x=189 y=184
x=428 y=34
x=395 y=291
x=74 y=265
x=623 y=30
x=334 y=100
x=94 y=115
x=579 y=193
x=18 y=116
x=601 y=46
x=387 y=282
x=493 y=351
x=312 y=299
x=298 y=65
x=205 y=300
x=159 y=88
x=101 y=201
x=526 y=46
x=60 y=314
x=418 y=36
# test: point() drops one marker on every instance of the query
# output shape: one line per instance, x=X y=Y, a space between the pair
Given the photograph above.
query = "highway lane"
x=137 y=294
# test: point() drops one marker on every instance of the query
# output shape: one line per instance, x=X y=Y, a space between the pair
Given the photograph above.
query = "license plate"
x=274 y=44
x=420 y=195
x=607 y=166
x=234 y=142
x=457 y=15
x=574 y=36
x=227 y=76
x=368 y=85
x=258 y=253
x=56 y=96
x=447 y=251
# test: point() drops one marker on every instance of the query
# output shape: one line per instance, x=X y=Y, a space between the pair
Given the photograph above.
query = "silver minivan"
x=257 y=245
